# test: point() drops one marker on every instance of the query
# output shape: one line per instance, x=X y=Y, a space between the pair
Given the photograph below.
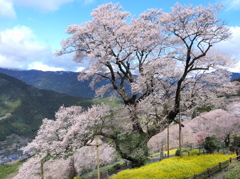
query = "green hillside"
x=22 y=107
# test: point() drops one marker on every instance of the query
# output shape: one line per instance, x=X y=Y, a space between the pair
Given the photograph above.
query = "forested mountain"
x=60 y=81
x=22 y=107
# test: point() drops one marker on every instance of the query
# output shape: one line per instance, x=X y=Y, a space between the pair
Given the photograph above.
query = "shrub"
x=187 y=152
x=211 y=144
x=194 y=152
x=177 y=152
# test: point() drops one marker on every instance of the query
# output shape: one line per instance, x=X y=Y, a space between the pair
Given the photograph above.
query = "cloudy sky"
x=31 y=30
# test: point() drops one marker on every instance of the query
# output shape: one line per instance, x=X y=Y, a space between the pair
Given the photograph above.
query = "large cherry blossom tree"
x=153 y=63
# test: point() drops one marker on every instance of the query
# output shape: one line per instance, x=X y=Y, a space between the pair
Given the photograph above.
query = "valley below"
x=10 y=149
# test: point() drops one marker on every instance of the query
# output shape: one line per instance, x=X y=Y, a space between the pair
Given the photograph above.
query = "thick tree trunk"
x=227 y=141
x=133 y=147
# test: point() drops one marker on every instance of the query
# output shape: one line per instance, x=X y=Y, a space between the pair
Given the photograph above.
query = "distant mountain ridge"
x=235 y=76
x=22 y=106
x=61 y=81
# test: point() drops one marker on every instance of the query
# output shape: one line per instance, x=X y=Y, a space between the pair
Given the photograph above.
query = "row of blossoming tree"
x=222 y=123
x=152 y=63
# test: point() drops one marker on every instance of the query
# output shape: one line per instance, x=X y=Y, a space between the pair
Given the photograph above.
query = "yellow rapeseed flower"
x=174 y=168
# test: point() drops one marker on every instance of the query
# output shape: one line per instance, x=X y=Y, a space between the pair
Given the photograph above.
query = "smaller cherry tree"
x=228 y=123
x=72 y=129
x=221 y=123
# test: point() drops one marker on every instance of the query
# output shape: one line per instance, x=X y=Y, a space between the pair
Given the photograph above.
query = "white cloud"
x=232 y=4
x=20 y=49
x=236 y=67
x=7 y=9
x=43 y=67
x=80 y=69
x=231 y=47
